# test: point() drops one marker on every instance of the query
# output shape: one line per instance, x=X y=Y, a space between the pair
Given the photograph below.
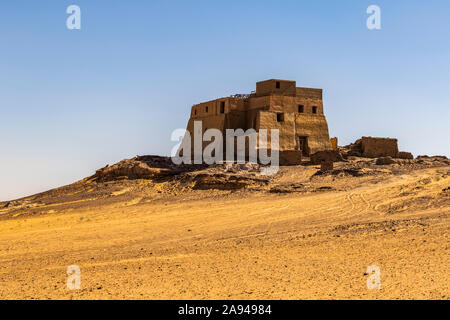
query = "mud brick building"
x=276 y=104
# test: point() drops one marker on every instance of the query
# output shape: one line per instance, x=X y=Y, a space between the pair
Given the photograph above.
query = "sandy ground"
x=236 y=245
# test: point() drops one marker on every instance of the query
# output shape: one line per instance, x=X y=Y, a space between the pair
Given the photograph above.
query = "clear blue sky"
x=73 y=101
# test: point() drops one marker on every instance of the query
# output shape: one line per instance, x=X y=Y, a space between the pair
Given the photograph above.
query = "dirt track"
x=243 y=245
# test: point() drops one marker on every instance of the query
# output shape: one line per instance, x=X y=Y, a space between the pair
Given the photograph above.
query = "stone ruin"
x=296 y=112
x=370 y=147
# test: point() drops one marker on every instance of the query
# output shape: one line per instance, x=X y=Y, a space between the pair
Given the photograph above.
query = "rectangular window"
x=195 y=112
x=277 y=84
x=222 y=107
x=280 y=117
x=314 y=110
x=301 y=108
x=206 y=109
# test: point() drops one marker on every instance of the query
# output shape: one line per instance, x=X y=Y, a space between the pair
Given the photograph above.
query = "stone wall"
x=379 y=147
x=290 y=158
x=268 y=87
x=268 y=121
x=290 y=104
x=334 y=143
x=315 y=128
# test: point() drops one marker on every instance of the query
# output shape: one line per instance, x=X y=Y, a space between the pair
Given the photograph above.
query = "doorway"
x=302 y=143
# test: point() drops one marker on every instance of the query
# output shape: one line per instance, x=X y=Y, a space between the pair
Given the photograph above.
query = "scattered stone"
x=290 y=157
x=223 y=181
x=142 y=167
x=405 y=155
x=326 y=156
x=326 y=166
x=325 y=188
x=384 y=161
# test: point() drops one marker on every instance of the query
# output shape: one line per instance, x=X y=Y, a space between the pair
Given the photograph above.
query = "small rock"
x=384 y=161
x=405 y=155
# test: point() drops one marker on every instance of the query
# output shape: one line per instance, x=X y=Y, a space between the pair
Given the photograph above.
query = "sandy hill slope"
x=146 y=229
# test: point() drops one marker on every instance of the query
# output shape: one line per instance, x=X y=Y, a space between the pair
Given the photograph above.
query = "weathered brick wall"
x=268 y=120
x=309 y=93
x=269 y=87
x=290 y=104
x=379 y=147
x=314 y=127
x=290 y=157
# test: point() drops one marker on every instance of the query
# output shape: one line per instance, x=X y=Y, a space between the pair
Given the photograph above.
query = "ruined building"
x=276 y=104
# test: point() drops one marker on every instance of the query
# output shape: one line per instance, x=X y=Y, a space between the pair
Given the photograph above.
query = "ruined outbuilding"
x=296 y=112
x=374 y=147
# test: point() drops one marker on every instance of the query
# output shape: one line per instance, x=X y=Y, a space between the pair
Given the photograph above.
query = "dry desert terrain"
x=227 y=233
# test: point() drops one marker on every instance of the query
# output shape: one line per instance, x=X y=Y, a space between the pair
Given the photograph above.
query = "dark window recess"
x=222 y=107
x=277 y=84
x=195 y=112
x=206 y=109
x=302 y=143
x=314 y=109
x=301 y=108
x=280 y=117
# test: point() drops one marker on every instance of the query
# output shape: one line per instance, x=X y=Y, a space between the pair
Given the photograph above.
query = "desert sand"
x=298 y=235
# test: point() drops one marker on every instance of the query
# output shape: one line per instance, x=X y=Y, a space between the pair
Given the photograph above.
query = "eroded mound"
x=142 y=167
